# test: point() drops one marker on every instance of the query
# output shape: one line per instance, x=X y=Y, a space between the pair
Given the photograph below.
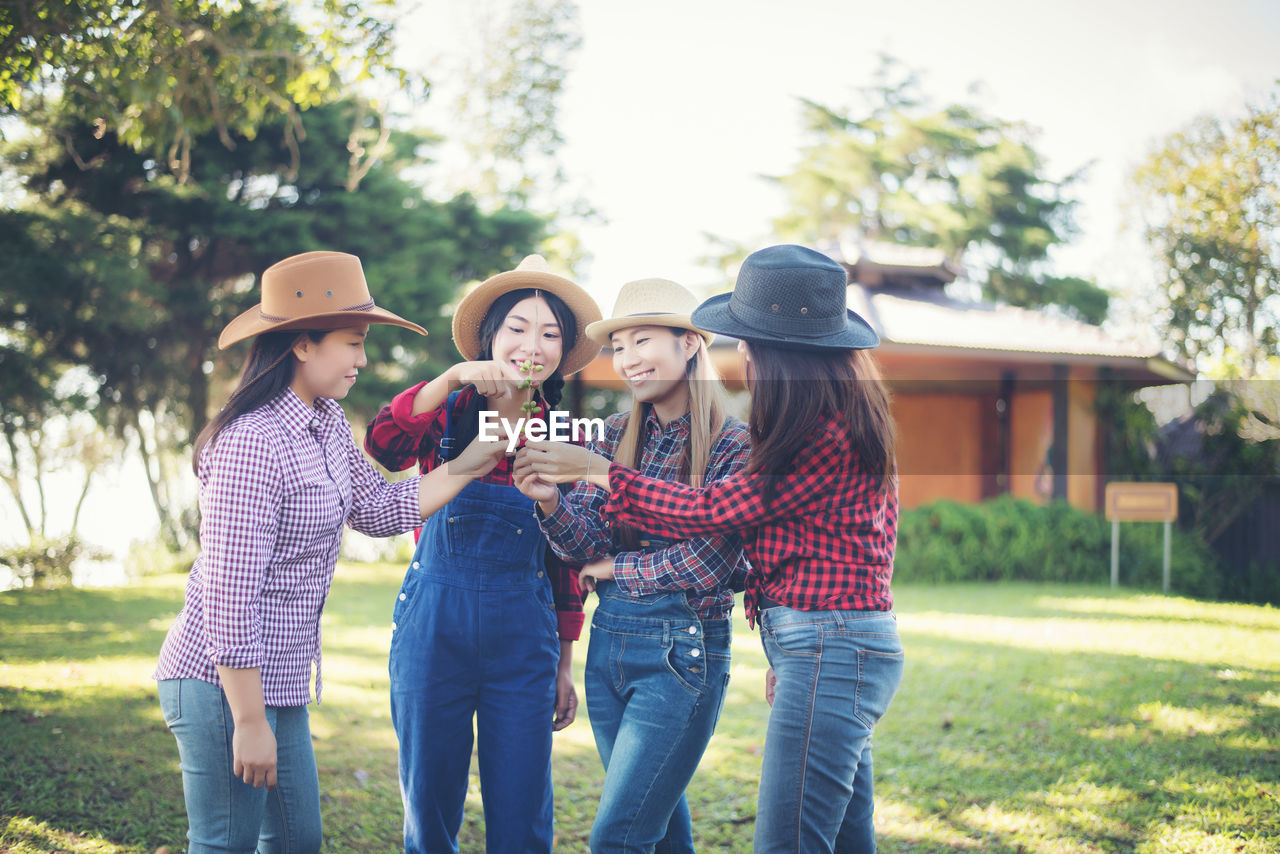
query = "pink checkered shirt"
x=275 y=489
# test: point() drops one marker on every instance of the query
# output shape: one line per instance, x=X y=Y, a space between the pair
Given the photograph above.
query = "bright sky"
x=676 y=107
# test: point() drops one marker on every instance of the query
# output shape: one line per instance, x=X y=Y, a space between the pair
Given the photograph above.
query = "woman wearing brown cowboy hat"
x=485 y=620
x=279 y=477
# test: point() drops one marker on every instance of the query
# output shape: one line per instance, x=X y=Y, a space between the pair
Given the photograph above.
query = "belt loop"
x=666 y=632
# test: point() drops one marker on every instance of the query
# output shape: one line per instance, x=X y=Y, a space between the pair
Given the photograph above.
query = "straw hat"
x=533 y=272
x=636 y=306
x=792 y=297
x=314 y=290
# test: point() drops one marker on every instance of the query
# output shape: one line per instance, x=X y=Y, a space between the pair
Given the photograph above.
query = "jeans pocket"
x=171 y=701
x=879 y=674
x=801 y=638
x=489 y=540
x=686 y=660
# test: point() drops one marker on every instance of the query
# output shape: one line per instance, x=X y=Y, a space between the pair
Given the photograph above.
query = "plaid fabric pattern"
x=707 y=569
x=275 y=490
x=825 y=542
x=398 y=439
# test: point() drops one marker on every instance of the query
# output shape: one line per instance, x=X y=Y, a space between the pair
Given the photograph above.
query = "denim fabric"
x=475 y=637
x=223 y=812
x=655 y=683
x=836 y=672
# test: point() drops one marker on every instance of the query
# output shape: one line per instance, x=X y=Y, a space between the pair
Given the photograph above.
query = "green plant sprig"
x=528 y=368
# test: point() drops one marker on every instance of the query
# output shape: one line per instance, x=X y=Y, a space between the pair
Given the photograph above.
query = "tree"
x=123 y=270
x=508 y=105
x=1211 y=195
x=160 y=73
x=954 y=178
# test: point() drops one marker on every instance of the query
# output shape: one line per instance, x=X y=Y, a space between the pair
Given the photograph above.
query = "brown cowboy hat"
x=533 y=272
x=314 y=290
x=649 y=302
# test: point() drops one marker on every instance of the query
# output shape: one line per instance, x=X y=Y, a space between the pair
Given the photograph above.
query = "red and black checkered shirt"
x=825 y=542
x=398 y=439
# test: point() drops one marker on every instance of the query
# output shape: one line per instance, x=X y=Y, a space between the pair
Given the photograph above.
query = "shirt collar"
x=676 y=427
x=296 y=416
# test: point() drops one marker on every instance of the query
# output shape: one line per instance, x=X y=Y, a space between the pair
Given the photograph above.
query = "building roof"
x=900 y=292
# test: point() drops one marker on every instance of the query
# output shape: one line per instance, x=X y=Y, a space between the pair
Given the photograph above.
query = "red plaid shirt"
x=398 y=439
x=825 y=542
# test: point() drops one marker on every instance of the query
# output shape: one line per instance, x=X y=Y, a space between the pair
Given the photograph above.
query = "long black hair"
x=467 y=425
x=791 y=390
x=267 y=372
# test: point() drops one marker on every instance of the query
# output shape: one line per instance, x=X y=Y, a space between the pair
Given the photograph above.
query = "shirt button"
x=519 y=530
x=693 y=630
x=393 y=625
x=539 y=573
x=695 y=653
x=415 y=564
x=402 y=597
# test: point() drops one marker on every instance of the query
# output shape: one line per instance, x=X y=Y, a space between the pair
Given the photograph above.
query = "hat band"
x=271 y=318
x=800 y=327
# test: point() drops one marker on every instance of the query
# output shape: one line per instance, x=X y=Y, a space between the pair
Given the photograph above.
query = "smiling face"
x=529 y=331
x=328 y=368
x=651 y=360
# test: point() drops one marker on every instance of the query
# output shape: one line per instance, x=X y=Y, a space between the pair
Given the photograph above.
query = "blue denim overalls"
x=656 y=677
x=475 y=634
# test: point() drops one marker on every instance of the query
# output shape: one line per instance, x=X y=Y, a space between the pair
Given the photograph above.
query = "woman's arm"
x=240 y=499
x=253 y=744
x=697 y=563
x=566 y=694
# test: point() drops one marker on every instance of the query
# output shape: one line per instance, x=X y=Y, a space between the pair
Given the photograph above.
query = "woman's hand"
x=560 y=462
x=566 y=700
x=493 y=379
x=253 y=750
x=532 y=485
x=478 y=459
x=770 y=686
x=597 y=570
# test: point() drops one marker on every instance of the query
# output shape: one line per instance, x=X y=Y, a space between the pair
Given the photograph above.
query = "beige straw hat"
x=649 y=302
x=314 y=290
x=533 y=272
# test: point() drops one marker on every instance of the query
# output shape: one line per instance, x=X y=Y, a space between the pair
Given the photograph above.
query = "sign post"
x=1141 y=502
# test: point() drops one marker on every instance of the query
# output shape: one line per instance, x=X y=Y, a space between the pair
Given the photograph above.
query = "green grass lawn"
x=1030 y=719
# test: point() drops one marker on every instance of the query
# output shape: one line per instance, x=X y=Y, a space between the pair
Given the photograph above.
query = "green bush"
x=155 y=557
x=47 y=562
x=1009 y=539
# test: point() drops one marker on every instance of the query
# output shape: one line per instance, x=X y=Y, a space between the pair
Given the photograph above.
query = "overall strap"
x=445 y=449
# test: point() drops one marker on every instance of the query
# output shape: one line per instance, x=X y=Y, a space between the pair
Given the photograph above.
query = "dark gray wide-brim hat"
x=792 y=297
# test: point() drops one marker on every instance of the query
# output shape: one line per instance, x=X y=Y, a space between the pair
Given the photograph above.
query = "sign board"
x=1142 y=502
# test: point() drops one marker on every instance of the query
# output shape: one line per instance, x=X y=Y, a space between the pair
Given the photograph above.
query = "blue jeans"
x=836 y=672
x=655 y=683
x=224 y=813
x=475 y=638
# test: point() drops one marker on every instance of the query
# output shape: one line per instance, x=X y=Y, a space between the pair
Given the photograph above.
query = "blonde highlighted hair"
x=707 y=414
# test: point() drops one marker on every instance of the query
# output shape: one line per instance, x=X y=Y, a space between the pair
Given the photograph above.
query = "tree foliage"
x=1211 y=195
x=510 y=100
x=901 y=170
x=158 y=74
x=122 y=269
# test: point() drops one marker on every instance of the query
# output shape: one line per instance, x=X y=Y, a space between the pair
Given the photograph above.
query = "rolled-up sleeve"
x=240 y=509
x=398 y=439
x=576 y=530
